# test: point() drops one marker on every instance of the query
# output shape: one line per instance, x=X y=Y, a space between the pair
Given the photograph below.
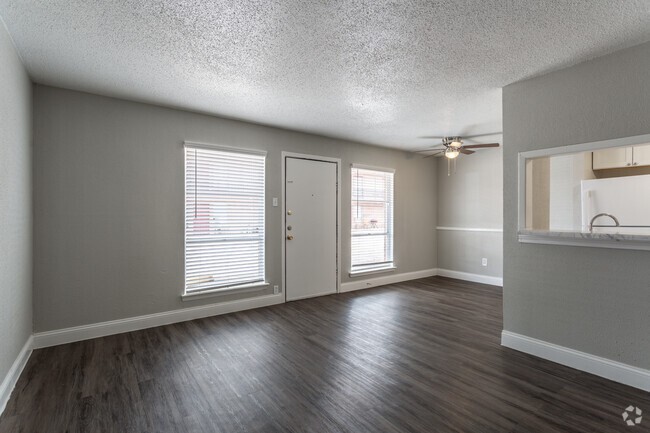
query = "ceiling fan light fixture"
x=451 y=153
x=456 y=143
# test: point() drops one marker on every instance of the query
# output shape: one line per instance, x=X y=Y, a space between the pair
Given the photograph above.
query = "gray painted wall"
x=596 y=300
x=15 y=205
x=472 y=197
x=108 y=190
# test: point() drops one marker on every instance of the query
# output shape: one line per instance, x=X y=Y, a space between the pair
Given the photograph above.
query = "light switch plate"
x=275 y=201
x=484 y=261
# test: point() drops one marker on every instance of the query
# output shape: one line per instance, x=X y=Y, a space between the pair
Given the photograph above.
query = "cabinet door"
x=641 y=155
x=612 y=158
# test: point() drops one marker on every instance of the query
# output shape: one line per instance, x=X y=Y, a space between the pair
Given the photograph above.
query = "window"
x=372 y=219
x=224 y=218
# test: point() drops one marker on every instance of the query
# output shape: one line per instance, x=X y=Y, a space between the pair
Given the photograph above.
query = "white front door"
x=310 y=228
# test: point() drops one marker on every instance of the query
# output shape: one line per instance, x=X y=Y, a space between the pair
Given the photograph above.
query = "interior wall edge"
x=9 y=382
x=387 y=279
x=468 y=276
x=102 y=329
x=613 y=370
x=16 y=229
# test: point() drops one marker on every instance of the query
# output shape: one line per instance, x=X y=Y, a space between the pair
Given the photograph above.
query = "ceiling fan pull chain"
x=448 y=167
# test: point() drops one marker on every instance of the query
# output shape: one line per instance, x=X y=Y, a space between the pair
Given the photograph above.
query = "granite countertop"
x=617 y=237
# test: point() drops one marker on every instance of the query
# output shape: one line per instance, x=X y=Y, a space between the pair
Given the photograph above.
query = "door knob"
x=289 y=237
x=288 y=212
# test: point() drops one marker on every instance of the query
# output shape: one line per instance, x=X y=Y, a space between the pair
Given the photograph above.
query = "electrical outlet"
x=484 y=261
x=276 y=290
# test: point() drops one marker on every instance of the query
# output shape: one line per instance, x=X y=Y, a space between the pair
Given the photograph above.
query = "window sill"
x=244 y=288
x=361 y=273
x=585 y=239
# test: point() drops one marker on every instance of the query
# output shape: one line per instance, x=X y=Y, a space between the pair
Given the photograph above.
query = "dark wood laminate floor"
x=421 y=356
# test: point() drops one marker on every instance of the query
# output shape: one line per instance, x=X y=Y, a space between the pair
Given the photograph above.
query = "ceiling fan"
x=454 y=146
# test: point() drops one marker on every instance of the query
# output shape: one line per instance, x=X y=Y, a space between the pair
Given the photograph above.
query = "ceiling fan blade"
x=466 y=152
x=482 y=135
x=435 y=154
x=427 y=150
x=433 y=136
x=478 y=146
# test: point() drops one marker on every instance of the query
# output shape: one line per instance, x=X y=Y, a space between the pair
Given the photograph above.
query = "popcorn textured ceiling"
x=374 y=71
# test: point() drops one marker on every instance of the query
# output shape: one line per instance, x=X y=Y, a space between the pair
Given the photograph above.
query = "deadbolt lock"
x=288 y=227
x=289 y=212
x=289 y=237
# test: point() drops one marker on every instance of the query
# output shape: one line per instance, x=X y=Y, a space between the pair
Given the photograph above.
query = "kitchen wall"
x=553 y=191
x=108 y=184
x=594 y=300
x=538 y=193
x=565 y=195
x=470 y=218
x=15 y=205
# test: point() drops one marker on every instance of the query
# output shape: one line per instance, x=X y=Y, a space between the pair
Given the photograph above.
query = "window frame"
x=234 y=288
x=388 y=266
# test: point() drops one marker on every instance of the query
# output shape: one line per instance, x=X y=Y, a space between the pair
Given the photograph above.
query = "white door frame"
x=337 y=161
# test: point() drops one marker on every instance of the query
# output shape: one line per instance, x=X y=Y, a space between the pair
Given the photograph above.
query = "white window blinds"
x=372 y=219
x=224 y=218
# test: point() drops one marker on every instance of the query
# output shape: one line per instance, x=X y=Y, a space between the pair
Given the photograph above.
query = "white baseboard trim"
x=9 y=382
x=386 y=279
x=85 y=332
x=95 y=330
x=603 y=367
x=477 y=278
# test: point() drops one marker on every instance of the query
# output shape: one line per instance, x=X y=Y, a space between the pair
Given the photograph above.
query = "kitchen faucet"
x=591 y=223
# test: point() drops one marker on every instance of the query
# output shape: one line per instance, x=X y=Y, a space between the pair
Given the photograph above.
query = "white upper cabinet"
x=621 y=157
x=641 y=155
x=612 y=158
